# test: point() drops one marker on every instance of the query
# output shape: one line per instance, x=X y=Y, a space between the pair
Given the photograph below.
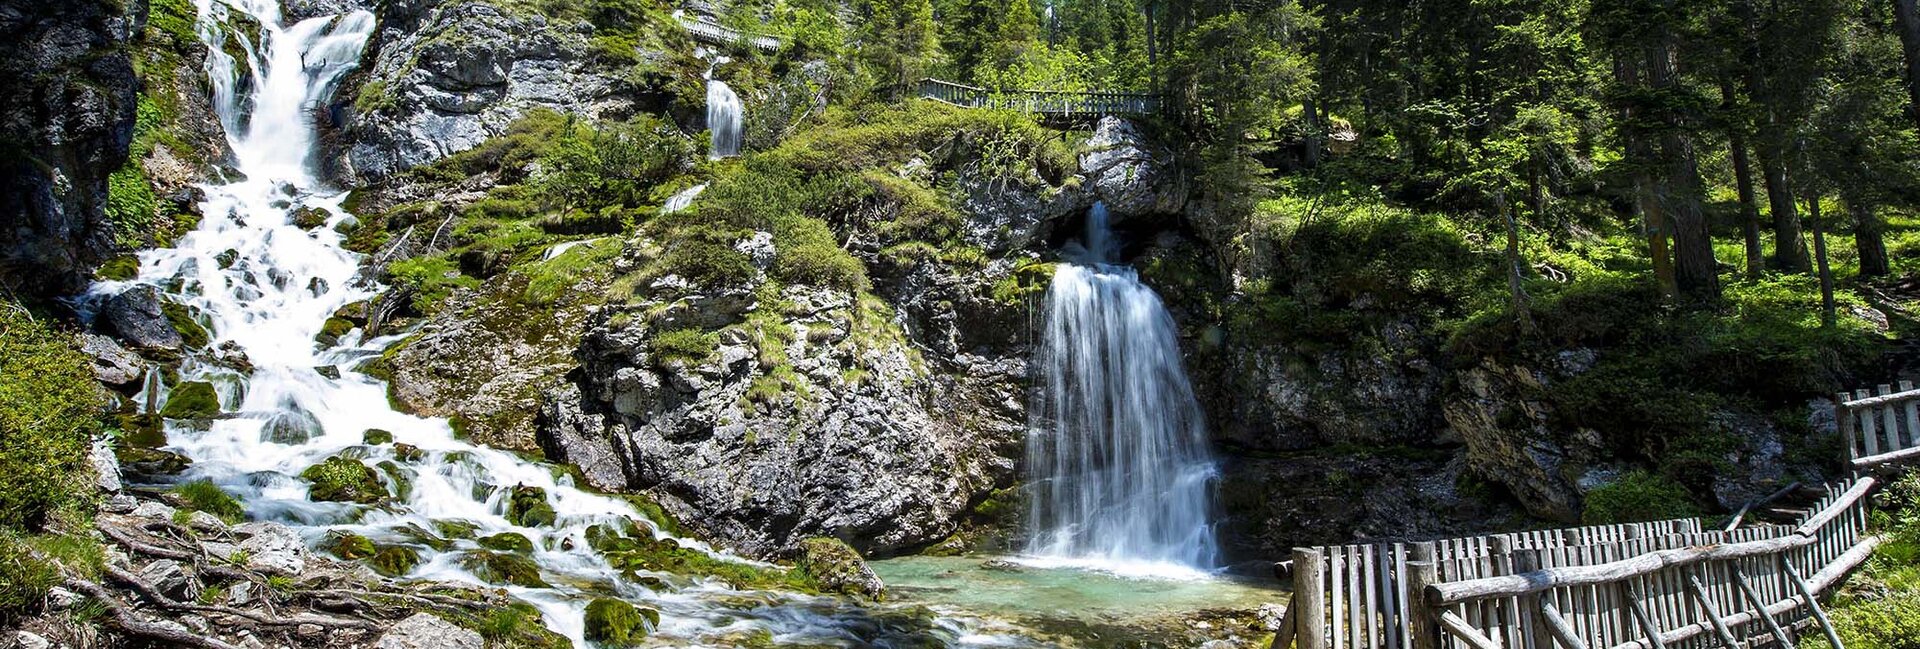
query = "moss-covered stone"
x=151 y=461
x=395 y=560
x=192 y=334
x=344 y=479
x=503 y=568
x=616 y=623
x=376 y=437
x=507 y=542
x=528 y=507
x=636 y=550
x=456 y=529
x=308 y=218
x=399 y=478
x=332 y=330
x=121 y=268
x=348 y=545
x=405 y=452
x=838 y=568
x=192 y=400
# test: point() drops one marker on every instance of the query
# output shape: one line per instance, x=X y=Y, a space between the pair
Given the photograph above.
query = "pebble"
x=309 y=630
x=31 y=640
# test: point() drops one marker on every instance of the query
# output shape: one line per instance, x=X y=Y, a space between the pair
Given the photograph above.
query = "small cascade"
x=724 y=112
x=1117 y=452
x=264 y=286
x=683 y=198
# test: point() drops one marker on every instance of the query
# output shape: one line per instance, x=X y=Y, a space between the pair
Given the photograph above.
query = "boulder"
x=344 y=479
x=137 y=316
x=106 y=466
x=272 y=548
x=837 y=568
x=394 y=561
x=171 y=579
x=615 y=623
x=528 y=507
x=112 y=364
x=192 y=400
x=426 y=631
x=1129 y=172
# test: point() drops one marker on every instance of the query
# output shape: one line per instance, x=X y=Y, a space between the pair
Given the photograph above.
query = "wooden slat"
x=1912 y=410
x=1869 y=434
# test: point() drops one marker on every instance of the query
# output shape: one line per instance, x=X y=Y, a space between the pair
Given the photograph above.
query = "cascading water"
x=1117 y=453
x=724 y=114
x=264 y=286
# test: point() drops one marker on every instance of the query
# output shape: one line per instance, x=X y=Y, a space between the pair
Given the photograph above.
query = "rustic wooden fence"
x=1640 y=586
x=1879 y=428
x=708 y=31
x=1045 y=102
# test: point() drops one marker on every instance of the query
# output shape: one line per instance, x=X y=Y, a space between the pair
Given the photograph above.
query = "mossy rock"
x=394 y=560
x=838 y=568
x=308 y=218
x=332 y=330
x=405 y=452
x=119 y=269
x=151 y=461
x=292 y=426
x=528 y=507
x=514 y=542
x=344 y=479
x=226 y=258
x=613 y=622
x=348 y=545
x=398 y=477
x=640 y=552
x=420 y=535
x=376 y=437
x=192 y=400
x=456 y=529
x=180 y=316
x=504 y=568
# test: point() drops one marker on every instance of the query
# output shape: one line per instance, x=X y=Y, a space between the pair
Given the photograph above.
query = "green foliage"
x=203 y=495
x=430 y=280
x=548 y=280
x=131 y=206
x=175 y=18
x=49 y=412
x=192 y=400
x=588 y=167
x=1637 y=497
x=344 y=479
x=691 y=346
x=616 y=623
x=24 y=577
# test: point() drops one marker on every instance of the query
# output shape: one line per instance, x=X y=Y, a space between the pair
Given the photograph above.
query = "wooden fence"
x=1641 y=586
x=1879 y=428
x=1060 y=104
x=711 y=32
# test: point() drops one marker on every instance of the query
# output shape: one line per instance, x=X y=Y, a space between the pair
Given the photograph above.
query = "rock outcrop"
x=68 y=117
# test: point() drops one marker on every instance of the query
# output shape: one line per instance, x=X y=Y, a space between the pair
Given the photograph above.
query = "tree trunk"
x=1820 y=251
x=1316 y=133
x=1743 y=181
x=1907 y=16
x=1789 y=252
x=1516 y=269
x=1869 y=239
x=1653 y=220
x=1696 y=272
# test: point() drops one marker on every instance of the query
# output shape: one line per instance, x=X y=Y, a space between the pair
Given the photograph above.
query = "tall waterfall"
x=265 y=286
x=1117 y=452
x=724 y=114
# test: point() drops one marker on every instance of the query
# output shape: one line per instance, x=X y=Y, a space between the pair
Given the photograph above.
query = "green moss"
x=835 y=566
x=1638 y=497
x=507 y=542
x=376 y=437
x=344 y=479
x=203 y=495
x=634 y=550
x=517 y=626
x=429 y=280
x=349 y=546
x=373 y=97
x=456 y=529
x=394 y=561
x=192 y=334
x=119 y=268
x=192 y=400
x=528 y=507
x=616 y=623
x=503 y=568
x=50 y=410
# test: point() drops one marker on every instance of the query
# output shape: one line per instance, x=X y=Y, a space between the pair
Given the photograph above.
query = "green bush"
x=1638 y=497
x=429 y=280
x=24 y=577
x=203 y=495
x=50 y=410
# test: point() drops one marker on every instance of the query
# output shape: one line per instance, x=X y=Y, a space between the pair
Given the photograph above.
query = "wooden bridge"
x=1635 y=586
x=1065 y=105
x=713 y=33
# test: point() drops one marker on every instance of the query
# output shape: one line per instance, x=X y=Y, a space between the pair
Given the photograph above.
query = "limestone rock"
x=171 y=579
x=112 y=364
x=838 y=568
x=426 y=631
x=272 y=548
x=106 y=466
x=1133 y=175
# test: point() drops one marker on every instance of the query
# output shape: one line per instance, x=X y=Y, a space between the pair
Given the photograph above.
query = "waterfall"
x=1117 y=453
x=264 y=287
x=724 y=114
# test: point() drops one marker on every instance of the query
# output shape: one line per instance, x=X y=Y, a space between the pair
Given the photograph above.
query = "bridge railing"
x=718 y=34
x=1879 y=428
x=1091 y=104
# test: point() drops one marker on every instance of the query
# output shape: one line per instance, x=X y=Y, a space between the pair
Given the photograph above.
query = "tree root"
x=152 y=594
x=131 y=624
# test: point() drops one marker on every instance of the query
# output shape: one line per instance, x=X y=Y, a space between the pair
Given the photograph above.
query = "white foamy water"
x=270 y=301
x=724 y=114
x=682 y=199
x=1117 y=454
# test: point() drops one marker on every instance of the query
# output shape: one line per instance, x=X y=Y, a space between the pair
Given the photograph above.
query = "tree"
x=1907 y=19
x=899 y=41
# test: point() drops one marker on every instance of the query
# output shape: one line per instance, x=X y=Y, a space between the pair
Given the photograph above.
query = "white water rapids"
x=270 y=301
x=1117 y=455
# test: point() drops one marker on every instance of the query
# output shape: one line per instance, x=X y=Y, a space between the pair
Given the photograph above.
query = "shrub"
x=1638 y=497
x=49 y=412
x=687 y=345
x=24 y=578
x=203 y=495
x=429 y=280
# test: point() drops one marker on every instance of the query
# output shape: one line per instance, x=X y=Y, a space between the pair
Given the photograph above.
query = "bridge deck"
x=1044 y=102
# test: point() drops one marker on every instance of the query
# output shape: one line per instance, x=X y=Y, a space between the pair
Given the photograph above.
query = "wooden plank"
x=1563 y=633
x=1912 y=411
x=1760 y=608
x=1337 y=578
x=1862 y=399
x=1356 y=601
x=1458 y=626
x=1843 y=419
x=1869 y=435
x=1371 y=619
x=1309 y=588
x=1283 y=637
x=1712 y=611
x=1813 y=605
x=1422 y=622
x=1639 y=609
x=1890 y=420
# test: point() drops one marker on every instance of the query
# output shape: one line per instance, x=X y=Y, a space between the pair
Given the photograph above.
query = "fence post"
x=1533 y=623
x=1309 y=589
x=1843 y=422
x=1423 y=627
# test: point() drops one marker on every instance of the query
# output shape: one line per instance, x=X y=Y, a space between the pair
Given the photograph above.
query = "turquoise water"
x=1026 y=592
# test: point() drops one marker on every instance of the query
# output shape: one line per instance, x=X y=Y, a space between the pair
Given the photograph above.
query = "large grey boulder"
x=135 y=316
x=1133 y=175
x=426 y=631
x=112 y=364
x=272 y=548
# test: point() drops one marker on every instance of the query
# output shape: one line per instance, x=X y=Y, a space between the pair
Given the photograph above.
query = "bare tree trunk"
x=1743 y=181
x=1827 y=315
x=1640 y=157
x=1696 y=272
x=1316 y=132
x=1907 y=16
x=1869 y=239
x=1516 y=269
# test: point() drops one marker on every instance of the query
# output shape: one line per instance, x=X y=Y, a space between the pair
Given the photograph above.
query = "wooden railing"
x=1066 y=104
x=1882 y=428
x=711 y=32
x=1636 y=586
